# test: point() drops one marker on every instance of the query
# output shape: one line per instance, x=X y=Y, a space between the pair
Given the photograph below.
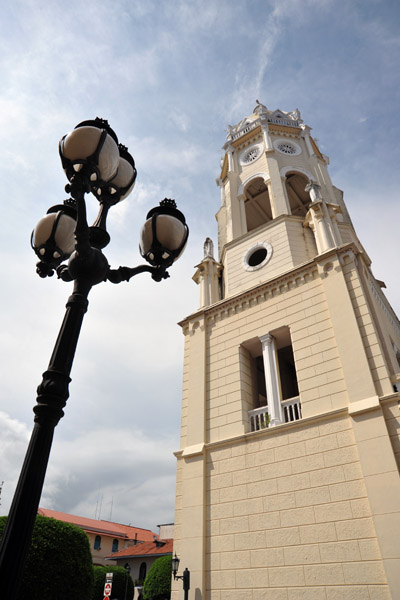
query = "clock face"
x=250 y=155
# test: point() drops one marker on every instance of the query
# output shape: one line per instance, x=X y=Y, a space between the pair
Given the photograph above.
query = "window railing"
x=291 y=409
x=259 y=417
x=248 y=127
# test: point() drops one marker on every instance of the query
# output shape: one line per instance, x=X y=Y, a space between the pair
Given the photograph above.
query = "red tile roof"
x=102 y=527
x=147 y=549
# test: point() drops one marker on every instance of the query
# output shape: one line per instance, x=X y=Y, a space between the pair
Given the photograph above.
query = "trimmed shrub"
x=59 y=562
x=118 y=583
x=157 y=585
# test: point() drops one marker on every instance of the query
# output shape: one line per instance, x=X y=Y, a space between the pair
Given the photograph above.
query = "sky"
x=169 y=76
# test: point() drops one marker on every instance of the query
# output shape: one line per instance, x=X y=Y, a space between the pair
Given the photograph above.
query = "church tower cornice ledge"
x=285 y=130
x=315 y=268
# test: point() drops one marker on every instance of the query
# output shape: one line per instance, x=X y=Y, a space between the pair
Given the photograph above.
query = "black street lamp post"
x=185 y=577
x=94 y=162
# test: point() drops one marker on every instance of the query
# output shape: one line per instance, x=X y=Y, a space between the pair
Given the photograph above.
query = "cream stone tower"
x=288 y=474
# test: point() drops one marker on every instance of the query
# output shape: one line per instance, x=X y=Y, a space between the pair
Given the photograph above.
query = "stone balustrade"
x=259 y=417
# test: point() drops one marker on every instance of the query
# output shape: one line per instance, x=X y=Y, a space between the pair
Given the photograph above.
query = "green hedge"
x=59 y=563
x=118 y=583
x=157 y=585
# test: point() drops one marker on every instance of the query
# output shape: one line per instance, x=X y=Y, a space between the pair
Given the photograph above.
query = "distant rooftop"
x=154 y=548
x=101 y=527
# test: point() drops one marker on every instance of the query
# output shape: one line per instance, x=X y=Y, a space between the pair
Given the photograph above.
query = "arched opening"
x=115 y=545
x=257 y=204
x=97 y=542
x=142 y=571
x=299 y=199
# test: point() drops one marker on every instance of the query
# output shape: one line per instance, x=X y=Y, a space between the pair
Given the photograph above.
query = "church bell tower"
x=288 y=471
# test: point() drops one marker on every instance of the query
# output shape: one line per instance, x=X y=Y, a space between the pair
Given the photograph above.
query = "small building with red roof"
x=140 y=558
x=105 y=537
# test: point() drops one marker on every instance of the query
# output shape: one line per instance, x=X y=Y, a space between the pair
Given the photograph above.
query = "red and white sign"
x=108 y=586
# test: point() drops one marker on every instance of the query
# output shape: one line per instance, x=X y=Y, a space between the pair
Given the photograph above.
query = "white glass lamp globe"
x=90 y=145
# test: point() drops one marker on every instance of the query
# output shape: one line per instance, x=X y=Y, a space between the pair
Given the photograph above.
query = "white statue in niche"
x=208 y=248
x=314 y=190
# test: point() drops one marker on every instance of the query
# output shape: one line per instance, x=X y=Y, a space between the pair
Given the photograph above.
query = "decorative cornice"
x=284 y=130
x=263 y=293
x=268 y=290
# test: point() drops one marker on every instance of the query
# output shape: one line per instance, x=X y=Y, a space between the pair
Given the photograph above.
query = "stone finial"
x=295 y=114
x=260 y=108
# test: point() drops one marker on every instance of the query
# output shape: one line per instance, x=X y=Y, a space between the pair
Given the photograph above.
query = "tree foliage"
x=119 y=583
x=157 y=585
x=59 y=562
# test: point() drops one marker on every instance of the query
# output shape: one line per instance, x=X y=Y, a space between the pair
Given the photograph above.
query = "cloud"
x=130 y=473
x=169 y=77
x=122 y=466
x=14 y=438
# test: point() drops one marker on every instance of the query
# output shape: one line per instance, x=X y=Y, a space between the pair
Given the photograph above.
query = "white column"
x=323 y=230
x=243 y=220
x=220 y=183
x=306 y=135
x=230 y=159
x=204 y=289
x=272 y=382
x=267 y=139
x=333 y=211
x=274 y=211
x=285 y=195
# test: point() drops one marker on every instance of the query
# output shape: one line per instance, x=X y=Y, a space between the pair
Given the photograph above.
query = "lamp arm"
x=125 y=273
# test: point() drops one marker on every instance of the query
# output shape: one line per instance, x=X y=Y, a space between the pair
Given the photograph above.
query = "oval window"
x=257 y=256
